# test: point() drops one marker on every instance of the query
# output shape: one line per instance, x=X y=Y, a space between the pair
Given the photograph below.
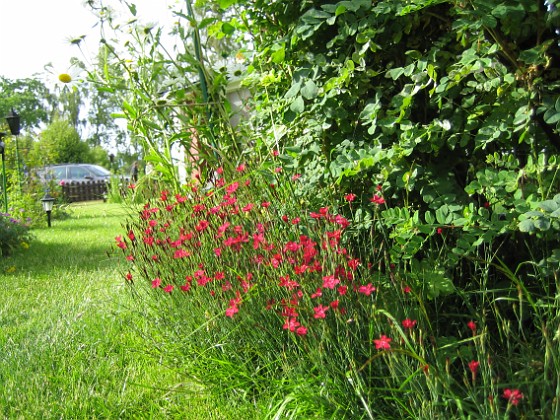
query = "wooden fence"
x=84 y=191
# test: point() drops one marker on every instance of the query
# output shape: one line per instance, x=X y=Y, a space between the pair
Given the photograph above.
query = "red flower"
x=288 y=283
x=301 y=330
x=241 y=168
x=230 y=189
x=197 y=208
x=231 y=311
x=350 y=197
x=265 y=204
x=330 y=282
x=513 y=396
x=202 y=225
x=248 y=207
x=472 y=326
x=318 y=293
x=353 y=263
x=383 y=343
x=367 y=290
x=131 y=235
x=376 y=199
x=407 y=289
x=408 y=323
x=168 y=289
x=291 y=324
x=473 y=366
x=156 y=283
x=320 y=311
x=342 y=221
x=295 y=177
x=128 y=276
x=181 y=253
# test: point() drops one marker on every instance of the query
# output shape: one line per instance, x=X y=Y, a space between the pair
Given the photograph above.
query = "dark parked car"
x=72 y=172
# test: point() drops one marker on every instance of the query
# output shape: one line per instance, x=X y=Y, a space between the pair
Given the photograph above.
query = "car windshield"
x=99 y=170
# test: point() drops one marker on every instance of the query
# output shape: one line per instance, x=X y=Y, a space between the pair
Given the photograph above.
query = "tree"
x=61 y=143
x=28 y=97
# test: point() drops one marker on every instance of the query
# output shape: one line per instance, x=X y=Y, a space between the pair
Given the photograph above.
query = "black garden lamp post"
x=47 y=201
x=4 y=191
x=14 y=124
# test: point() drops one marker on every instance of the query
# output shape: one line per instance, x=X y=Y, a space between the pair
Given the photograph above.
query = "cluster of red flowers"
x=227 y=242
x=239 y=247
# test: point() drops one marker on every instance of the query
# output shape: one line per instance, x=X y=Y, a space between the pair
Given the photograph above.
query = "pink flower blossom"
x=376 y=199
x=301 y=330
x=367 y=289
x=350 y=197
x=513 y=396
x=168 y=289
x=383 y=343
x=320 y=311
x=291 y=324
x=156 y=283
x=181 y=253
x=473 y=366
x=408 y=323
x=330 y=282
x=231 y=311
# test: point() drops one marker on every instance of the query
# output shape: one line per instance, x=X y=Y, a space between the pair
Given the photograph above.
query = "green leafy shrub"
x=14 y=233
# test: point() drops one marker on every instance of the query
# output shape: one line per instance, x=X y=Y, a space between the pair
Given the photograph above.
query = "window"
x=78 y=172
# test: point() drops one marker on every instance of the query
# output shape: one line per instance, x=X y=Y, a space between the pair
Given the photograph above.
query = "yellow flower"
x=25 y=245
x=11 y=269
x=64 y=77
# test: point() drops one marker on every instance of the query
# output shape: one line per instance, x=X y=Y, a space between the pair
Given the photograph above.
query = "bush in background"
x=14 y=232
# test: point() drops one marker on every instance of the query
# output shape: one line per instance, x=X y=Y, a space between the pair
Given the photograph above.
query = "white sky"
x=34 y=33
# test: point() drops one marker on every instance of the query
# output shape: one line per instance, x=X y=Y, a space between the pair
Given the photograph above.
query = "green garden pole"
x=4 y=191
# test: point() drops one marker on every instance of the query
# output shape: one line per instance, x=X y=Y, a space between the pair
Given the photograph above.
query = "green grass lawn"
x=71 y=339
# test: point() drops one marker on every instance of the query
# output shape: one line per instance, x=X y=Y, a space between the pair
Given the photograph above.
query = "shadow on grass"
x=84 y=242
x=43 y=259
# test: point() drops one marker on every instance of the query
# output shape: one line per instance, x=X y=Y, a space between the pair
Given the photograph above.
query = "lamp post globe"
x=47 y=201
x=13 y=122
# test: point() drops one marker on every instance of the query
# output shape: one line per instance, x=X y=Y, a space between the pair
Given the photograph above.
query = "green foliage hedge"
x=431 y=125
